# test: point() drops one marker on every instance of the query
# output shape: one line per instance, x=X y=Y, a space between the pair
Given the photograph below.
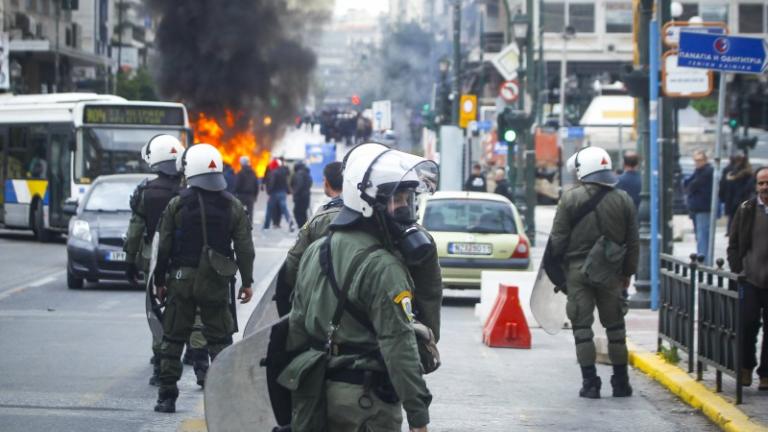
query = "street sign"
x=672 y=29
x=738 y=54
x=682 y=81
x=484 y=125
x=573 y=132
x=500 y=148
x=468 y=111
x=509 y=91
x=382 y=115
x=507 y=61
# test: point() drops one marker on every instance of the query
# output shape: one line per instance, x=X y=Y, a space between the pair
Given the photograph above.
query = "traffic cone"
x=506 y=326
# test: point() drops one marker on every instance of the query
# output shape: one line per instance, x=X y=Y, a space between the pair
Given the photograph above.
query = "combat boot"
x=200 y=365
x=590 y=388
x=621 y=387
x=166 y=400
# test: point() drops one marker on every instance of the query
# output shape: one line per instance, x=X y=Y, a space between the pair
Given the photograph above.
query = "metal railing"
x=700 y=313
x=677 y=304
x=719 y=325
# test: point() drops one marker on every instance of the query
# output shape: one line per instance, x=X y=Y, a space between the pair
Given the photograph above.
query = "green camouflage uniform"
x=428 y=292
x=381 y=288
x=138 y=251
x=617 y=218
x=181 y=302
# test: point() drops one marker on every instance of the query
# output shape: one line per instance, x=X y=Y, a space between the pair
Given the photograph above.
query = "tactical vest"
x=157 y=193
x=188 y=238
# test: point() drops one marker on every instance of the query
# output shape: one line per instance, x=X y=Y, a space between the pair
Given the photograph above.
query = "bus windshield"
x=104 y=150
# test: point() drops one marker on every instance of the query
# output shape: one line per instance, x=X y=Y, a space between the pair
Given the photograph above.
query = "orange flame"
x=231 y=142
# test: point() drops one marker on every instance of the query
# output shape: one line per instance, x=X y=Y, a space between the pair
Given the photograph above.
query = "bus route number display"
x=133 y=115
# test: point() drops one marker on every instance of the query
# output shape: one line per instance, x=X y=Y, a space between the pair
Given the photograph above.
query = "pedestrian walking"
x=736 y=185
x=277 y=189
x=502 y=184
x=247 y=185
x=599 y=253
x=747 y=256
x=630 y=180
x=147 y=203
x=476 y=181
x=195 y=264
x=301 y=186
x=698 y=188
x=352 y=306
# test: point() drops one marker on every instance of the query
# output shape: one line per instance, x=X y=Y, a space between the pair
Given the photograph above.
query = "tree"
x=140 y=86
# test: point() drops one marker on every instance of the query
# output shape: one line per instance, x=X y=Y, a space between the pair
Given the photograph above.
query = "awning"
x=44 y=50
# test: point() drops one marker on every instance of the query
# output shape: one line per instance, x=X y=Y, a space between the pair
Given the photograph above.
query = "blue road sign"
x=738 y=54
x=575 y=132
x=485 y=125
x=500 y=148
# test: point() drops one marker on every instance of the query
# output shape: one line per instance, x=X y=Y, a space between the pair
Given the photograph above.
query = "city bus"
x=52 y=147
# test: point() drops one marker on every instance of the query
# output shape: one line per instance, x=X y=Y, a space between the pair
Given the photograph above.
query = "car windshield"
x=467 y=215
x=113 y=196
x=104 y=151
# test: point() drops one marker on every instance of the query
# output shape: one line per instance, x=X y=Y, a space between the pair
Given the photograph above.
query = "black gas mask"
x=412 y=241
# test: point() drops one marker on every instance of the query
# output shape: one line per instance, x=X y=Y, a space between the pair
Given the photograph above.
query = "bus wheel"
x=38 y=224
x=73 y=282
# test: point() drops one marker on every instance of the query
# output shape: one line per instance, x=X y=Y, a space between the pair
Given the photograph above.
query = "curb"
x=193 y=425
x=723 y=413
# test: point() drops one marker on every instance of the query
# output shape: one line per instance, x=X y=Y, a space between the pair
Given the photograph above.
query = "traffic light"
x=746 y=143
x=733 y=123
x=511 y=125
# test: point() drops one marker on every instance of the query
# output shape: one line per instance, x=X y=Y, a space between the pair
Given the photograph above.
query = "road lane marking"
x=33 y=284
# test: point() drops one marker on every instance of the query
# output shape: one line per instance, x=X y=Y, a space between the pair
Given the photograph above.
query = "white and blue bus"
x=53 y=146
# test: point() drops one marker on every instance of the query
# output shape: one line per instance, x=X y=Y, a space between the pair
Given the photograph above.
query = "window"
x=618 y=18
x=582 y=17
x=714 y=13
x=469 y=215
x=552 y=18
x=690 y=10
x=751 y=18
x=27 y=153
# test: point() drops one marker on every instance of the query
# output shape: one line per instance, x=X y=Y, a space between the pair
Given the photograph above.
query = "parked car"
x=475 y=231
x=97 y=230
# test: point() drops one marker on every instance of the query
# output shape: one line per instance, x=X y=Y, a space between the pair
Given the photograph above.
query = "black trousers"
x=300 y=207
x=754 y=303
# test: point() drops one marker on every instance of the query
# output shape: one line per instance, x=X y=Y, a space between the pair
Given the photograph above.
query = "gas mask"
x=411 y=240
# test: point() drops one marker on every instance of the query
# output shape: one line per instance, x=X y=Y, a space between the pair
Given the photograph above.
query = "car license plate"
x=116 y=256
x=470 y=248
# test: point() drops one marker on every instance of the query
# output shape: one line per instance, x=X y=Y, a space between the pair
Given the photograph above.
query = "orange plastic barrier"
x=506 y=326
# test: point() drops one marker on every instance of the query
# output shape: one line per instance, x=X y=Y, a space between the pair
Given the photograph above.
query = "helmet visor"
x=402 y=196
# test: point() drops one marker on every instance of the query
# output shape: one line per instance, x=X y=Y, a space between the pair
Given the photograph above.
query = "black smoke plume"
x=243 y=55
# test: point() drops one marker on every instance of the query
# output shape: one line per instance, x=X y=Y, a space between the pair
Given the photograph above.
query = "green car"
x=474 y=231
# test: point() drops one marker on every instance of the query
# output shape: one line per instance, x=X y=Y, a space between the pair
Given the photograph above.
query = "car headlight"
x=81 y=230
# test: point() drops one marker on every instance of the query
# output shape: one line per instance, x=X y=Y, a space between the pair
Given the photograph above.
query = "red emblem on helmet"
x=212 y=165
x=604 y=162
x=173 y=150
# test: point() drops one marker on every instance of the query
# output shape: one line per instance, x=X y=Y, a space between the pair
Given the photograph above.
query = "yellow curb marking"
x=195 y=424
x=692 y=392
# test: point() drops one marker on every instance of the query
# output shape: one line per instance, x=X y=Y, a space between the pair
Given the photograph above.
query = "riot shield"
x=547 y=305
x=153 y=305
x=237 y=394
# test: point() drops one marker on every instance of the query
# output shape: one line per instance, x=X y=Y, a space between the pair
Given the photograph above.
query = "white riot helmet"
x=161 y=152
x=377 y=175
x=203 y=167
x=593 y=165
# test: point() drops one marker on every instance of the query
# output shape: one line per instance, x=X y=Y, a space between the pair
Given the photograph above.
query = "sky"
x=373 y=6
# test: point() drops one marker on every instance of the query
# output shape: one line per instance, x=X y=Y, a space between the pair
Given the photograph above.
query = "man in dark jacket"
x=747 y=256
x=698 y=188
x=502 y=185
x=301 y=184
x=630 y=181
x=736 y=185
x=476 y=181
x=246 y=185
x=277 y=188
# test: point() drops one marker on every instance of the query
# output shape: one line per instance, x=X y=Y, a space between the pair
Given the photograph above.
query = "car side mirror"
x=70 y=206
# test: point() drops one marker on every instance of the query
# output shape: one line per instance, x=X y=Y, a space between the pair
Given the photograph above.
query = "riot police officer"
x=600 y=254
x=352 y=304
x=147 y=204
x=196 y=232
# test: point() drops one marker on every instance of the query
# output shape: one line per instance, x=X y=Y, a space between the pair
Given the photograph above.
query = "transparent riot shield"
x=240 y=388
x=547 y=305
x=153 y=306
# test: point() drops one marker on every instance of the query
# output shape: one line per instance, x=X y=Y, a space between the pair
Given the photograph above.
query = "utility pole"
x=119 y=43
x=667 y=144
x=456 y=88
x=643 y=9
x=563 y=69
x=530 y=143
x=56 y=58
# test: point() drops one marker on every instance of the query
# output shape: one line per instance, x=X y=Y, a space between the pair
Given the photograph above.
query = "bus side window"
x=17 y=153
x=37 y=144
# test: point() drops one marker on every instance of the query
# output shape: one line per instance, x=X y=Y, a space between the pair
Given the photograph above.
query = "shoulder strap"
x=326 y=262
x=202 y=217
x=589 y=206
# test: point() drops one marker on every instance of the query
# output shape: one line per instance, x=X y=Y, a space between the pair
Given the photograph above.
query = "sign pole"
x=653 y=122
x=716 y=174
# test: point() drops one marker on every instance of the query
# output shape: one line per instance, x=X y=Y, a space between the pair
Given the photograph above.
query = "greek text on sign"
x=738 y=54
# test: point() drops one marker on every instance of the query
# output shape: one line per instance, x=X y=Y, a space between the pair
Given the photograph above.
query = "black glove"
x=562 y=288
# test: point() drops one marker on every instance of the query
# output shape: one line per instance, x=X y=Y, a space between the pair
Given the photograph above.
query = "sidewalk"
x=642 y=332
